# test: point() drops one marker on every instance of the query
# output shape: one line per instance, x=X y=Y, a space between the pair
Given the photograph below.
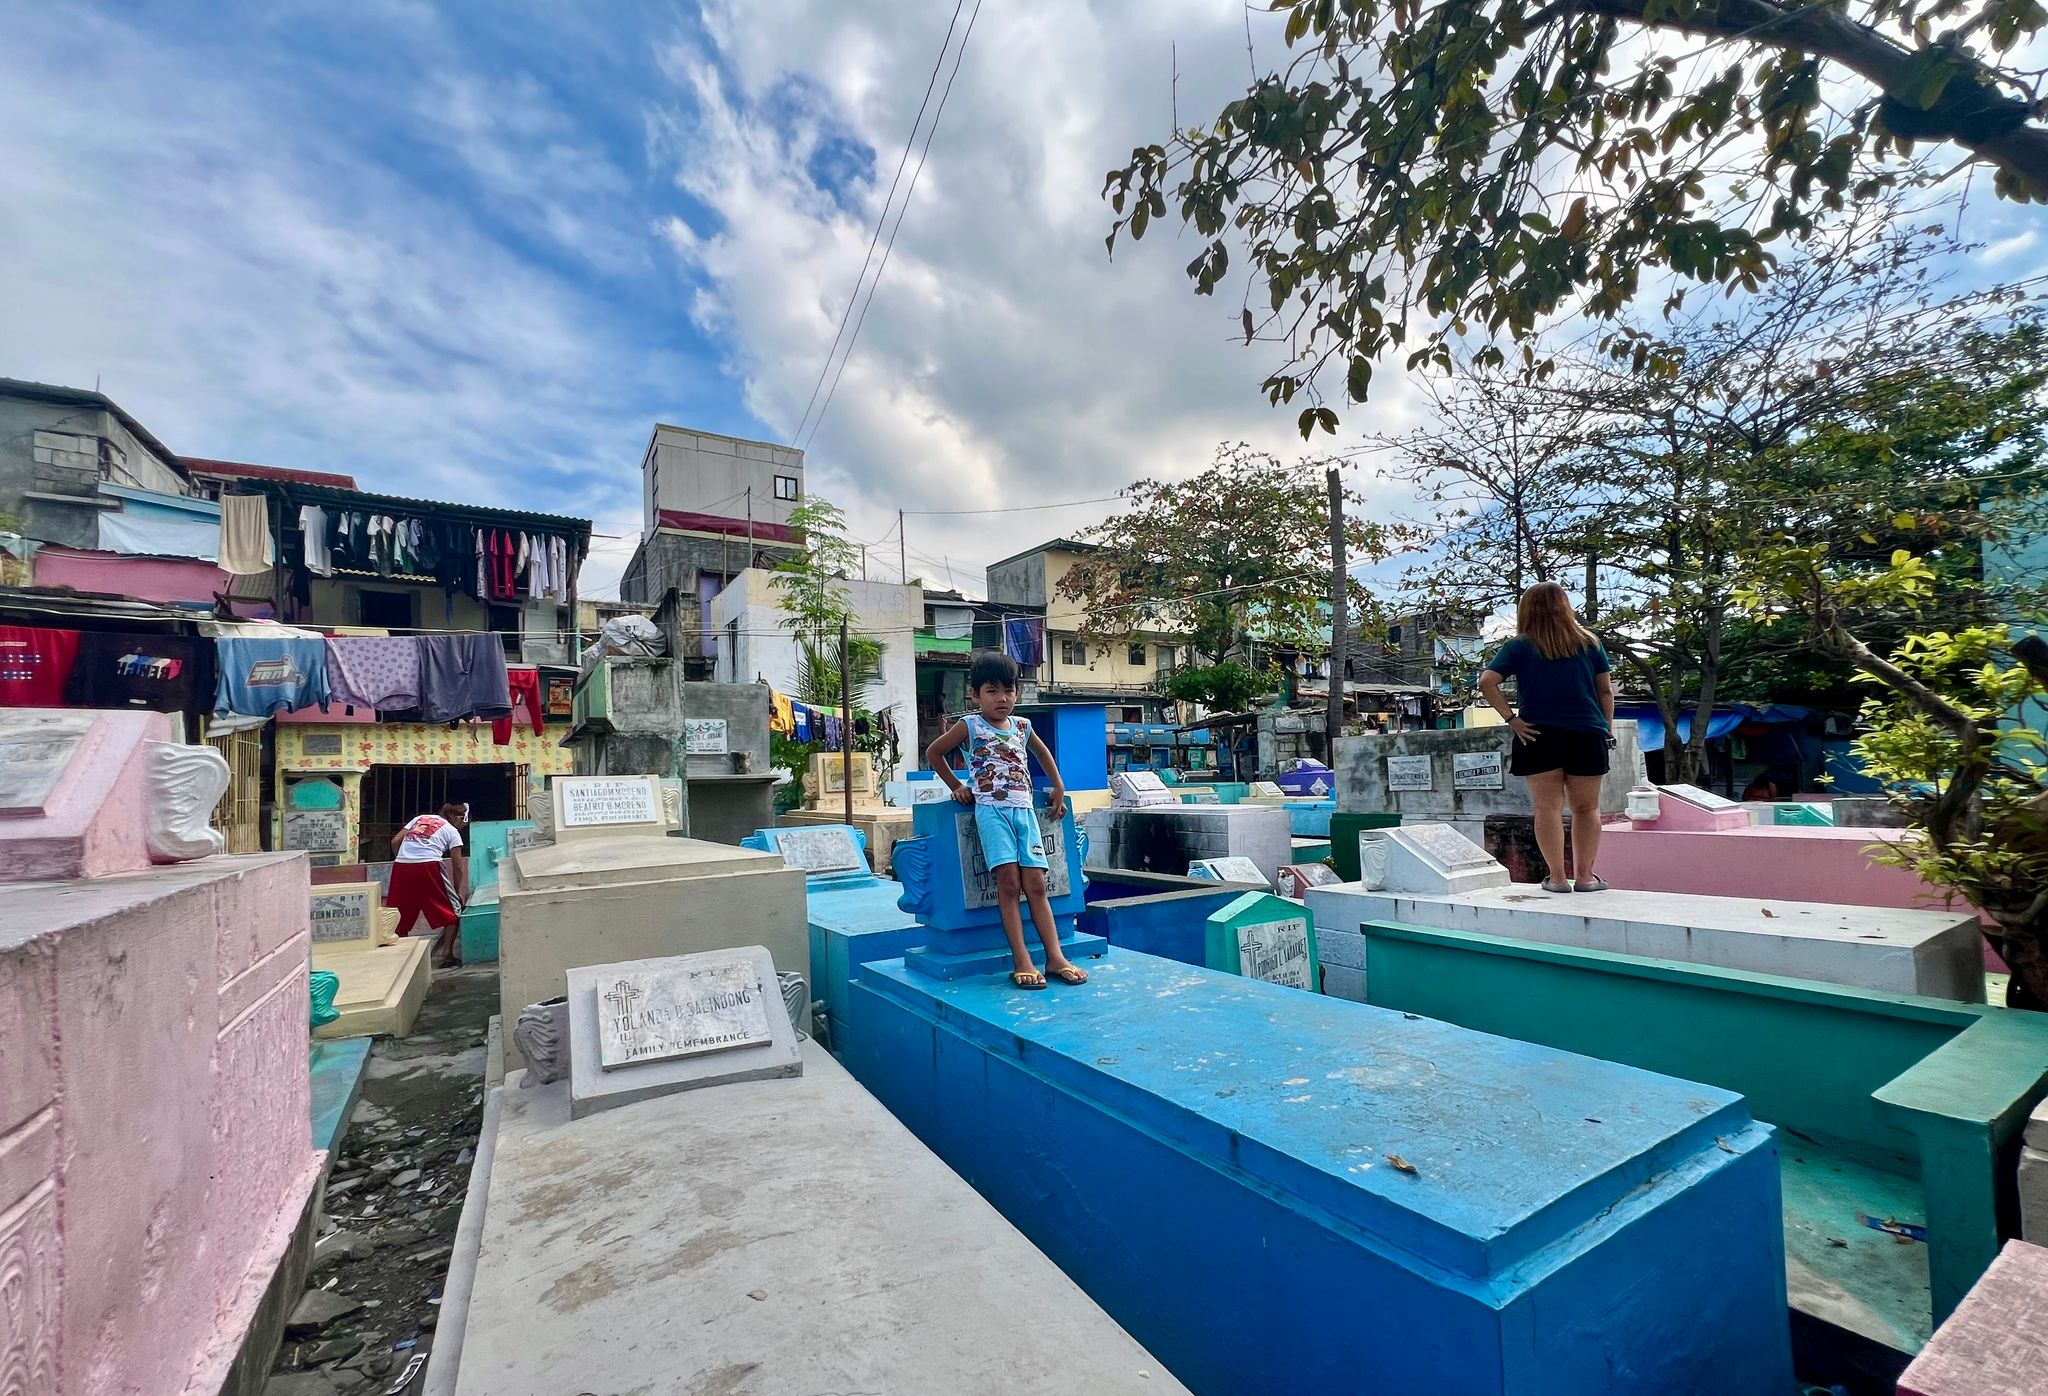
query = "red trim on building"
x=241 y=471
x=763 y=531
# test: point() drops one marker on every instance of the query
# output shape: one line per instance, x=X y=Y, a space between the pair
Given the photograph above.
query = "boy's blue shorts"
x=1009 y=834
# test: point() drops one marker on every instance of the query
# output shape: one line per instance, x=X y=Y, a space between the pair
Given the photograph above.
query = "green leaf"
x=1358 y=381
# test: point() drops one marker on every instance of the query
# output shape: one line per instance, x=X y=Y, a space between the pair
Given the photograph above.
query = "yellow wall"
x=1063 y=621
x=365 y=744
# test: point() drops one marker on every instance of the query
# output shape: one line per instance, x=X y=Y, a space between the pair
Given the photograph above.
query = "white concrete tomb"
x=1431 y=858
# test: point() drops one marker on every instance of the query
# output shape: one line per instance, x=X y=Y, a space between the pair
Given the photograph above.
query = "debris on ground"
x=394 y=1197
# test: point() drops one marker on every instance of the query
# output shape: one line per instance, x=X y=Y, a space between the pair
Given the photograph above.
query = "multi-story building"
x=712 y=507
x=59 y=447
x=1124 y=672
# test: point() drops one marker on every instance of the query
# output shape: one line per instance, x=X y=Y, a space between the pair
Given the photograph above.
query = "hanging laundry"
x=165 y=673
x=802 y=727
x=375 y=672
x=525 y=686
x=504 y=565
x=483 y=578
x=313 y=523
x=258 y=676
x=1024 y=640
x=463 y=676
x=780 y=716
x=35 y=665
x=558 y=565
x=245 y=533
x=832 y=731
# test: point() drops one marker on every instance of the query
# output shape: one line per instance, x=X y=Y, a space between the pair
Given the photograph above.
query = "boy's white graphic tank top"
x=999 y=762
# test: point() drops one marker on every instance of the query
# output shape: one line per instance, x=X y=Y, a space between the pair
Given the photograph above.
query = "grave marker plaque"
x=1444 y=846
x=1410 y=773
x=596 y=801
x=1275 y=951
x=1478 y=770
x=516 y=839
x=1267 y=790
x=320 y=744
x=706 y=736
x=1294 y=879
x=1698 y=798
x=1236 y=868
x=653 y=1015
x=345 y=913
x=978 y=884
x=34 y=750
x=820 y=850
x=321 y=830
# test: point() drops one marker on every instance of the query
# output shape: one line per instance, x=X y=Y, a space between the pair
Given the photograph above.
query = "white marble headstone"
x=674 y=1024
x=1432 y=859
x=1294 y=879
x=1267 y=790
x=1235 y=868
x=1275 y=951
x=1478 y=770
x=658 y=1014
x=343 y=913
x=1696 y=797
x=1134 y=789
x=587 y=805
x=34 y=750
x=820 y=850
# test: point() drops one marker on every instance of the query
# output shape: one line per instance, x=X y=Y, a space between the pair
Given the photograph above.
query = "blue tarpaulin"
x=1650 y=723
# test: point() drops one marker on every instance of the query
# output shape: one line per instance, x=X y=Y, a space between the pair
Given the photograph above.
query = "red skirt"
x=421 y=889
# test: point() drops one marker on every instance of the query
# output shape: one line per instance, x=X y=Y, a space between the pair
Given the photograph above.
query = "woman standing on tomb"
x=423 y=883
x=1564 y=729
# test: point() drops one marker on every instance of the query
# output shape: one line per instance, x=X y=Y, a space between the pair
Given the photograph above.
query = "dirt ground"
x=394 y=1198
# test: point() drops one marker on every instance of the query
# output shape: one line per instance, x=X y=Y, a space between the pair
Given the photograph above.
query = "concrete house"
x=58 y=446
x=1125 y=673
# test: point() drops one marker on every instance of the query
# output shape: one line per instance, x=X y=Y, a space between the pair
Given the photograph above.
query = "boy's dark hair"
x=991 y=666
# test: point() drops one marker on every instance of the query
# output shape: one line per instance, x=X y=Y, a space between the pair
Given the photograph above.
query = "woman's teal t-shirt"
x=1558 y=693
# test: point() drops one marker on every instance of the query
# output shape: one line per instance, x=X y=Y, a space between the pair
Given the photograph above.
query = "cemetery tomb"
x=153 y=1025
x=1432 y=858
x=1996 y=1344
x=1689 y=807
x=384 y=976
x=1294 y=879
x=654 y=1027
x=1138 y=790
x=1168 y=839
x=1266 y=792
x=1380 y=1194
x=883 y=1272
x=1932 y=953
x=1238 y=869
x=637 y=895
x=1895 y=1109
x=948 y=886
x=1261 y=936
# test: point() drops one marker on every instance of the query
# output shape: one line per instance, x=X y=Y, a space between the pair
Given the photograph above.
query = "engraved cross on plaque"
x=622 y=996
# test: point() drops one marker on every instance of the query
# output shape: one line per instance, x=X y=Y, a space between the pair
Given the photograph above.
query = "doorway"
x=393 y=795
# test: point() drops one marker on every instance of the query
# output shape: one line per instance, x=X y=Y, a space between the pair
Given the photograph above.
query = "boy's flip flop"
x=1027 y=979
x=1069 y=974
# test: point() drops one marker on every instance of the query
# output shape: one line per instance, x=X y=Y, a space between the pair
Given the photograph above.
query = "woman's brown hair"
x=455 y=813
x=1544 y=617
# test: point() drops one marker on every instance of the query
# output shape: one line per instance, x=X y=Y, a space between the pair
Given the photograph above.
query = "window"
x=1132 y=715
x=1137 y=656
x=1074 y=652
x=786 y=487
x=392 y=610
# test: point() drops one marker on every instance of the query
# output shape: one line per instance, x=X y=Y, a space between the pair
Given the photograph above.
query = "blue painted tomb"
x=1279 y=1192
x=948 y=887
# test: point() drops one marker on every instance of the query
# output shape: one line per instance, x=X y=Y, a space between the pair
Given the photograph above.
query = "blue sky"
x=473 y=251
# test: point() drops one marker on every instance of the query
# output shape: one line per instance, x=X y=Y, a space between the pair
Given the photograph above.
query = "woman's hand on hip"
x=1523 y=731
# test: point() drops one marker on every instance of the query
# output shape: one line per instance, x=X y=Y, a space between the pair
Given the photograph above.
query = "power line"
x=1015 y=508
x=904 y=208
x=881 y=218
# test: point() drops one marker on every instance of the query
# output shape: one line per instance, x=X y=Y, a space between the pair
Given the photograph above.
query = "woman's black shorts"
x=1576 y=753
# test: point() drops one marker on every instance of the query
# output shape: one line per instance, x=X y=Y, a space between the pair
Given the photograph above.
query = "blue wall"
x=1078 y=736
x=1171 y=925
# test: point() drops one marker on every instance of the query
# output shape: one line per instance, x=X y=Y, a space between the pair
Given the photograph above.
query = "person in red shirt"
x=421 y=886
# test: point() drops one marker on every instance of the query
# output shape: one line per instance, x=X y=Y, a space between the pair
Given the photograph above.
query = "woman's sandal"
x=1069 y=974
x=1027 y=979
x=1557 y=887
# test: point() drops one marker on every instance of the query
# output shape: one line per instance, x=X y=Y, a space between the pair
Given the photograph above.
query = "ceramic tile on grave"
x=603 y=806
x=1261 y=936
x=646 y=1028
x=1432 y=858
x=948 y=886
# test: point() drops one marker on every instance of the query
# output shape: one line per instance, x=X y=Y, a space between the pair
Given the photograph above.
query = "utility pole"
x=863 y=562
x=845 y=724
x=748 y=560
x=1340 y=620
x=902 y=550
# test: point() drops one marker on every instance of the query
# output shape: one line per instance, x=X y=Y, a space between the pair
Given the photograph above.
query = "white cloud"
x=1005 y=360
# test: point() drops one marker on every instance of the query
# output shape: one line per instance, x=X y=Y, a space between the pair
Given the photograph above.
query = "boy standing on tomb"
x=999 y=787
